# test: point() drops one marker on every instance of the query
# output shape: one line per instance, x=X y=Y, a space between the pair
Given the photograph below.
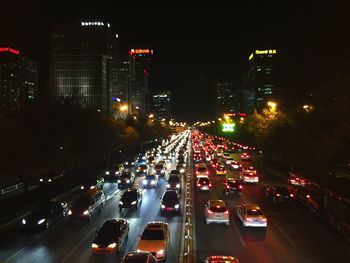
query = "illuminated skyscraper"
x=227 y=97
x=18 y=79
x=260 y=81
x=140 y=69
x=81 y=63
x=162 y=105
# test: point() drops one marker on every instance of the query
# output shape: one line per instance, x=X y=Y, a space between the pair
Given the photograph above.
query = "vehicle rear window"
x=125 y=175
x=233 y=184
x=152 y=235
x=159 y=166
x=202 y=169
x=150 y=177
x=219 y=209
x=255 y=212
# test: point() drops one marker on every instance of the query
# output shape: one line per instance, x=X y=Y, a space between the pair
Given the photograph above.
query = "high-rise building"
x=227 y=96
x=18 y=79
x=260 y=81
x=162 y=105
x=140 y=70
x=81 y=64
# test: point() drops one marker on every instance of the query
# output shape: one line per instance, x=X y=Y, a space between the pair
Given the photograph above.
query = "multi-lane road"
x=69 y=241
x=292 y=235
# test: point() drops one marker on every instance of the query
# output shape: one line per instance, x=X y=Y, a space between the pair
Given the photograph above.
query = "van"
x=88 y=204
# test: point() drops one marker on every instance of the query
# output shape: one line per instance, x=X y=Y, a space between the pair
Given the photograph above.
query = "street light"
x=151 y=116
x=272 y=104
x=308 y=108
x=123 y=108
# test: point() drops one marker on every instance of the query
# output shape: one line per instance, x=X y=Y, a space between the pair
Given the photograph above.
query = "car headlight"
x=113 y=245
x=82 y=187
x=144 y=182
x=160 y=252
x=120 y=202
x=153 y=182
x=119 y=181
x=127 y=181
x=49 y=180
x=167 y=185
x=93 y=245
x=41 y=221
x=133 y=202
x=162 y=206
x=107 y=172
x=177 y=185
x=86 y=212
x=177 y=206
x=69 y=212
x=182 y=170
x=41 y=180
x=24 y=221
x=92 y=187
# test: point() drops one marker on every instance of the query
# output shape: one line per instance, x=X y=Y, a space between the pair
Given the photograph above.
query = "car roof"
x=137 y=255
x=251 y=206
x=155 y=225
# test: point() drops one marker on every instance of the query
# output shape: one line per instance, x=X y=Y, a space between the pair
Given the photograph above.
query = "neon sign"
x=93 y=24
x=251 y=56
x=228 y=127
x=8 y=49
x=140 y=51
x=267 y=51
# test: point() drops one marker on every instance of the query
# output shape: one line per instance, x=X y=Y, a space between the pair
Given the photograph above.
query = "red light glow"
x=8 y=49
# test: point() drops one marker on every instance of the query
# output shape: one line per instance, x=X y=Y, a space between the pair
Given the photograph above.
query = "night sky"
x=194 y=46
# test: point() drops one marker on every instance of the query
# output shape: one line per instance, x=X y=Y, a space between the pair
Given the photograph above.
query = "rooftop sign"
x=8 y=49
x=141 y=51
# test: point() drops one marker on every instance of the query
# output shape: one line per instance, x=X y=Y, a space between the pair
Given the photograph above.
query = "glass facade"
x=162 y=105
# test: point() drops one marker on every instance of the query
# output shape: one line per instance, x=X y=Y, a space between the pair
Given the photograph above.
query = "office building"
x=228 y=97
x=260 y=80
x=162 y=105
x=140 y=94
x=81 y=64
x=18 y=79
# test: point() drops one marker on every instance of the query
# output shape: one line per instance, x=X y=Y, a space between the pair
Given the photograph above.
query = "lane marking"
x=239 y=233
x=20 y=251
x=77 y=246
x=283 y=233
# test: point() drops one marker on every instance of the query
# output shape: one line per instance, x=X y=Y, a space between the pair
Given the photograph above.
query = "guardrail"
x=7 y=190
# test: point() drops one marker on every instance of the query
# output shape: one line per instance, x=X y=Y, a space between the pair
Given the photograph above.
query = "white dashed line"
x=283 y=233
x=239 y=234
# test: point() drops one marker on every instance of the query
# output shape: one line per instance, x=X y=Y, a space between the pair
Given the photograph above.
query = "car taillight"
x=226 y=212
x=209 y=185
x=291 y=195
x=250 y=173
x=227 y=186
x=198 y=184
x=197 y=172
x=256 y=178
x=209 y=211
x=240 y=187
x=249 y=219
x=206 y=172
x=278 y=195
x=263 y=219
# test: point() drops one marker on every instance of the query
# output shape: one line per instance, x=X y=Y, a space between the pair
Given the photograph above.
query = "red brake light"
x=197 y=172
x=227 y=186
x=249 y=219
x=240 y=187
x=263 y=219
x=209 y=211
x=198 y=184
x=206 y=172
x=209 y=184
x=226 y=212
x=278 y=195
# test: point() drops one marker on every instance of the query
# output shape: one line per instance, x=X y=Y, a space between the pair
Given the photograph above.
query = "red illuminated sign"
x=140 y=51
x=8 y=49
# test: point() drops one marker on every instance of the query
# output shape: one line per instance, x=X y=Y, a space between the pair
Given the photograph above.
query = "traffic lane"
x=249 y=245
x=300 y=229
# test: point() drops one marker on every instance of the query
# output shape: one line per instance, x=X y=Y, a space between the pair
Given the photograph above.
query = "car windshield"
x=125 y=175
x=152 y=235
x=282 y=190
x=143 y=166
x=173 y=179
x=150 y=177
x=254 y=212
x=109 y=227
x=233 y=183
x=218 y=209
x=170 y=195
x=129 y=194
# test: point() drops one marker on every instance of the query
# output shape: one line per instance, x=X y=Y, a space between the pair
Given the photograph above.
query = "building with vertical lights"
x=18 y=79
x=260 y=80
x=228 y=97
x=140 y=95
x=81 y=64
x=162 y=105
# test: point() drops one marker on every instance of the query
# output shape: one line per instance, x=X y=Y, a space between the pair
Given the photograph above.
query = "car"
x=203 y=183
x=139 y=257
x=151 y=180
x=216 y=211
x=248 y=175
x=155 y=239
x=52 y=176
x=110 y=174
x=201 y=169
x=142 y=169
x=251 y=215
x=175 y=172
x=220 y=170
x=160 y=169
x=87 y=204
x=232 y=185
x=278 y=193
x=174 y=183
x=249 y=169
x=221 y=259
x=131 y=198
x=93 y=183
x=245 y=156
x=111 y=236
x=170 y=202
x=44 y=215
x=126 y=179
x=235 y=165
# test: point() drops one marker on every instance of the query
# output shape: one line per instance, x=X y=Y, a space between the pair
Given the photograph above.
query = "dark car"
x=44 y=215
x=131 y=198
x=142 y=169
x=111 y=236
x=139 y=257
x=203 y=183
x=92 y=183
x=160 y=169
x=278 y=193
x=181 y=167
x=170 y=202
x=175 y=172
x=151 y=180
x=174 y=182
x=112 y=173
x=232 y=186
x=126 y=179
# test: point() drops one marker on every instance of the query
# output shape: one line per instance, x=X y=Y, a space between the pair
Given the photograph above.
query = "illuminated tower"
x=260 y=81
x=81 y=62
x=140 y=98
x=18 y=79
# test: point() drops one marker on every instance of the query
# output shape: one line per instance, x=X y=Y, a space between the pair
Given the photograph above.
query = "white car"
x=216 y=211
x=251 y=215
x=229 y=160
x=155 y=239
